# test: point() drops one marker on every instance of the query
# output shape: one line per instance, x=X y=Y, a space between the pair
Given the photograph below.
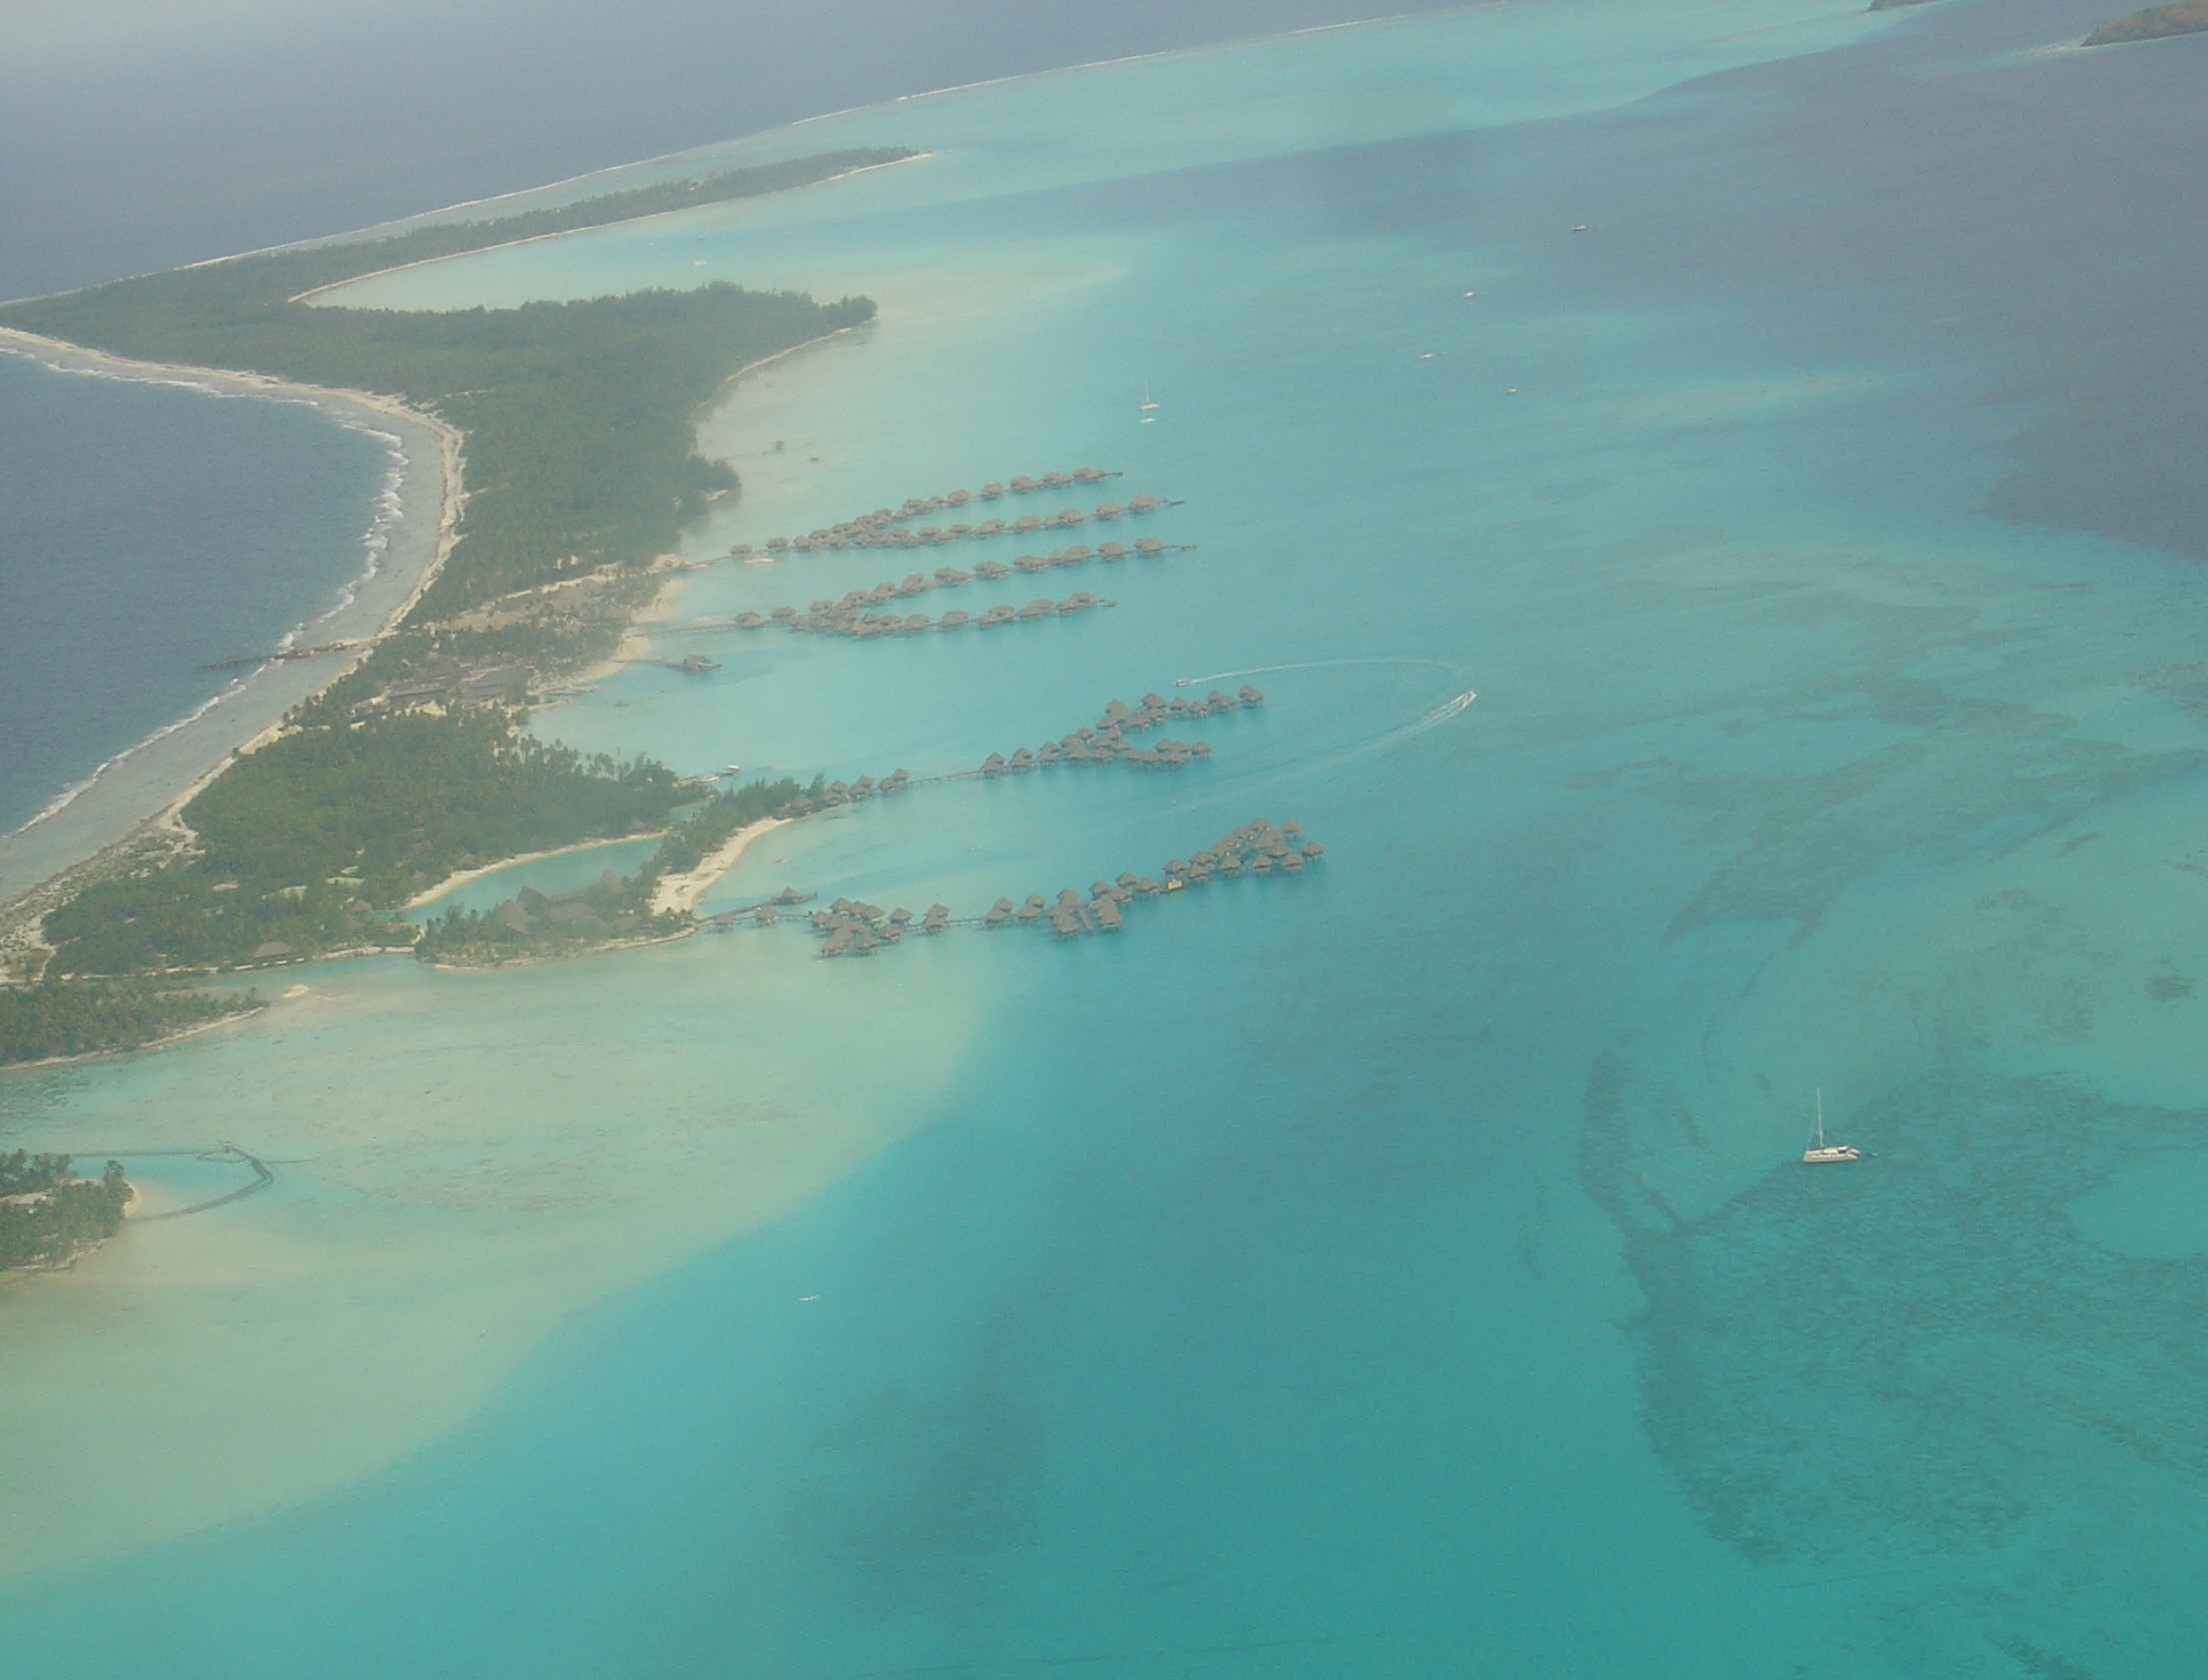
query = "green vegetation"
x=2185 y=17
x=49 y=1218
x=315 y=842
x=581 y=468
x=77 y=1017
x=536 y=925
x=577 y=415
x=712 y=825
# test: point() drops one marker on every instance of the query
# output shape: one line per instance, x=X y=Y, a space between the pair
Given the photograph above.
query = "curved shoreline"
x=146 y=784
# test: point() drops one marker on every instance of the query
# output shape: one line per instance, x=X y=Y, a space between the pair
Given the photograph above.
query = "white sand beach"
x=151 y=781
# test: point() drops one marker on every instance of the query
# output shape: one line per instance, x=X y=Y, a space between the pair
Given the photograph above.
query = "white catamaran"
x=1820 y=1152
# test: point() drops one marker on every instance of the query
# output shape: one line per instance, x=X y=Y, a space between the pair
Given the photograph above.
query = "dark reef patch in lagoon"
x=1917 y=1358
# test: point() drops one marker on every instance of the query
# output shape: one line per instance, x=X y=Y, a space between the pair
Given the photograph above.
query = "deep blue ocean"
x=1788 y=425
x=146 y=533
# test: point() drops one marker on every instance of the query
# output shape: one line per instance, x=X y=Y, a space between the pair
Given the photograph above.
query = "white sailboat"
x=1147 y=405
x=1820 y=1152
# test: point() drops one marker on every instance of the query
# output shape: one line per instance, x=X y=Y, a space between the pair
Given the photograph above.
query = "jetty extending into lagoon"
x=854 y=928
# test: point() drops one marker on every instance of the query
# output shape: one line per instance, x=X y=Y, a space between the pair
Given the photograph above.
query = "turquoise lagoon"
x=1400 y=1269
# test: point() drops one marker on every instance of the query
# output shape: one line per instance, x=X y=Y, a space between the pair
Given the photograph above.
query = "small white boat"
x=1820 y=1154
x=1147 y=405
x=730 y=770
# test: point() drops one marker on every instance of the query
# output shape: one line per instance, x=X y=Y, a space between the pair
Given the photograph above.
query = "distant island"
x=2182 y=17
x=580 y=468
x=48 y=1217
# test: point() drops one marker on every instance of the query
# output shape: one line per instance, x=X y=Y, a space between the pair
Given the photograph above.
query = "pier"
x=894 y=528
x=858 y=928
x=864 y=614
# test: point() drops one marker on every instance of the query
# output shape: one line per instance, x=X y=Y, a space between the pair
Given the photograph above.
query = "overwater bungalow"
x=991 y=568
x=1108 y=918
x=1111 y=551
x=1141 y=504
x=1023 y=485
x=1066 y=519
x=1200 y=748
x=998 y=914
x=750 y=621
x=1109 y=509
x=1027 y=523
x=1001 y=614
x=1147 y=547
x=1177 y=867
x=1154 y=702
x=915 y=582
x=1037 y=607
x=1251 y=695
x=993 y=765
x=1150 y=886
x=1261 y=863
x=989 y=527
x=1057 y=480
x=951 y=577
x=900 y=916
x=1048 y=753
x=838 y=943
x=932 y=922
x=1022 y=758
x=764 y=916
x=879 y=593
x=783 y=615
x=952 y=620
x=839 y=791
x=1230 y=865
x=895 y=780
x=915 y=623
x=956 y=499
x=861 y=788
x=1031 y=908
x=776 y=545
x=1077 y=555
x=1314 y=851
x=992 y=492
x=1075 y=602
x=1030 y=562
x=1090 y=475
